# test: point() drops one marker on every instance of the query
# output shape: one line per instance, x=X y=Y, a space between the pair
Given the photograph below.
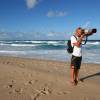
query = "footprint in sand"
x=10 y=84
x=13 y=89
x=37 y=96
x=22 y=65
x=13 y=81
x=18 y=90
x=44 y=91
x=30 y=82
x=7 y=62
x=3 y=62
x=63 y=92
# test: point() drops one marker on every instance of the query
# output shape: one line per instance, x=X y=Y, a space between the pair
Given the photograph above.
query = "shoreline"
x=36 y=79
x=46 y=59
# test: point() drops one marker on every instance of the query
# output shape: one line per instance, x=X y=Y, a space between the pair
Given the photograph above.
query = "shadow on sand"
x=89 y=76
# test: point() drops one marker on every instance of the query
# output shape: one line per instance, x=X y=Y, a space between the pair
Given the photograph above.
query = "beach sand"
x=32 y=79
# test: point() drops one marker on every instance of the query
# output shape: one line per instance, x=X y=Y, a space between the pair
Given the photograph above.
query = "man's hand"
x=82 y=36
x=78 y=43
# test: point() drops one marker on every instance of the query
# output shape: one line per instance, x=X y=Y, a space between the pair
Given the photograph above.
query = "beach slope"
x=31 y=79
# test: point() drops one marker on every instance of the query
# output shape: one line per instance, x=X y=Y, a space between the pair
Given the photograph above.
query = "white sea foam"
x=37 y=41
x=40 y=49
x=12 y=52
x=52 y=42
x=20 y=45
x=93 y=43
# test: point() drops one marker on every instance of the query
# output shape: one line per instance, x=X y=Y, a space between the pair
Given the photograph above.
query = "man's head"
x=79 y=31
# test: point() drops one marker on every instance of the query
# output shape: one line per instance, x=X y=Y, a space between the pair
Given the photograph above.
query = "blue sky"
x=47 y=19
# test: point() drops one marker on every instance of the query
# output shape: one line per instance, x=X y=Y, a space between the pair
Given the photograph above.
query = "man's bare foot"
x=72 y=83
x=76 y=82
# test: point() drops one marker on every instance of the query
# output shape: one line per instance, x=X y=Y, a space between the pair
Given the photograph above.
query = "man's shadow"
x=89 y=76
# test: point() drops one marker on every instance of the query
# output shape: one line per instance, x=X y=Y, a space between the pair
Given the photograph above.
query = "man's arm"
x=78 y=43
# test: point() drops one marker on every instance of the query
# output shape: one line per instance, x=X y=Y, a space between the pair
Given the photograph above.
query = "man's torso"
x=77 y=51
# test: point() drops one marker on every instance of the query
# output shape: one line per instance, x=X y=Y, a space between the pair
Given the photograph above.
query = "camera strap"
x=75 y=37
x=85 y=40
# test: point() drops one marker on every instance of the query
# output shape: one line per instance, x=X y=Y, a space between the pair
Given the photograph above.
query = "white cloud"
x=50 y=34
x=31 y=3
x=62 y=13
x=56 y=13
x=55 y=33
x=50 y=14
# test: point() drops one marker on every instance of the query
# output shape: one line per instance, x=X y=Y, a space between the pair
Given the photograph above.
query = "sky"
x=47 y=19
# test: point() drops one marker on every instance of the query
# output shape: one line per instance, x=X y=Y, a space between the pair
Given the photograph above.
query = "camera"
x=88 y=32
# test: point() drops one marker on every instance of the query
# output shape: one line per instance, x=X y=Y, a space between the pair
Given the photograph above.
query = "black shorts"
x=76 y=62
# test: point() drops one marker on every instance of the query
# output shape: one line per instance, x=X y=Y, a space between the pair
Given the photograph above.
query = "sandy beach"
x=31 y=79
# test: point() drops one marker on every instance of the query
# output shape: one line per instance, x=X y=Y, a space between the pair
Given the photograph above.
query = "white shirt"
x=77 y=51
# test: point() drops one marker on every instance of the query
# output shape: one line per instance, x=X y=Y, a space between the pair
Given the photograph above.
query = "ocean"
x=49 y=50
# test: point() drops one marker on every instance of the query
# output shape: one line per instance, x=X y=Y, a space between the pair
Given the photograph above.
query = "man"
x=76 y=42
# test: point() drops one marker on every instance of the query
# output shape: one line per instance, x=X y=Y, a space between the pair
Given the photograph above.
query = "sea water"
x=50 y=50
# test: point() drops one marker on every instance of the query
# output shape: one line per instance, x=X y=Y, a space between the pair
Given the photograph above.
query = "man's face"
x=79 y=32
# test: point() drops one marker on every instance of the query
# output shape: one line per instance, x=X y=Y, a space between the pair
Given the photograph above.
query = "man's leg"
x=76 y=75
x=78 y=63
x=72 y=74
